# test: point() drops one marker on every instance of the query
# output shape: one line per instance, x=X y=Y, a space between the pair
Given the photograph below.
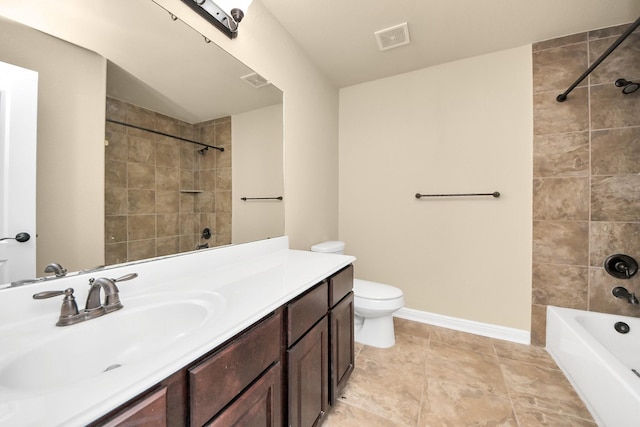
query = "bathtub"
x=599 y=362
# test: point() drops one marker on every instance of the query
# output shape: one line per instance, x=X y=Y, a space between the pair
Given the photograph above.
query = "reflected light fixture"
x=225 y=15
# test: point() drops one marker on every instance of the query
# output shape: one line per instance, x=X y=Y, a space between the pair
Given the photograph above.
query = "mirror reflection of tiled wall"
x=160 y=192
x=586 y=174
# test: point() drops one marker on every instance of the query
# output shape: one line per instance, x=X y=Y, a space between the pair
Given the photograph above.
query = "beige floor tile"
x=409 y=353
x=449 y=404
x=344 y=415
x=537 y=387
x=387 y=391
x=477 y=370
x=535 y=417
x=524 y=353
x=462 y=340
x=408 y=327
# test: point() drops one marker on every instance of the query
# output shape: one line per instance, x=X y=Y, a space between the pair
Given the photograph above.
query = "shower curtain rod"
x=563 y=96
x=165 y=134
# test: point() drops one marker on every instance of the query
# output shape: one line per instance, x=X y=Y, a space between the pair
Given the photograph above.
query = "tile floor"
x=439 y=377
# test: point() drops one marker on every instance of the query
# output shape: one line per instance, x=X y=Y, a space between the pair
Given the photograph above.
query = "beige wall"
x=257 y=172
x=460 y=127
x=310 y=118
x=585 y=175
x=69 y=196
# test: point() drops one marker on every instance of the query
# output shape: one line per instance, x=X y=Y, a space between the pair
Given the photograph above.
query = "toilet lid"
x=374 y=290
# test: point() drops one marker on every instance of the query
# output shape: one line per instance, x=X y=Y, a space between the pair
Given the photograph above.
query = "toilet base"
x=375 y=331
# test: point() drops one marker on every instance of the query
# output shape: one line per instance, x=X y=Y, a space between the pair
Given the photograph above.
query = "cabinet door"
x=218 y=379
x=308 y=377
x=259 y=406
x=150 y=411
x=342 y=347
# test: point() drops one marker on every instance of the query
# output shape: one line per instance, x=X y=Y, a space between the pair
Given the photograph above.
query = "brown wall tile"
x=141 y=176
x=538 y=324
x=561 y=242
x=168 y=245
x=146 y=214
x=551 y=74
x=141 y=227
x=561 y=155
x=561 y=199
x=615 y=151
x=611 y=109
x=141 y=249
x=142 y=150
x=167 y=154
x=615 y=198
x=167 y=225
x=118 y=143
x=141 y=201
x=115 y=228
x=115 y=253
x=115 y=174
x=167 y=178
x=115 y=201
x=551 y=116
x=562 y=286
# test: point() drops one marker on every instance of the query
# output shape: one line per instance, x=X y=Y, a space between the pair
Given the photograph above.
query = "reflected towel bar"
x=494 y=194
x=261 y=198
x=166 y=134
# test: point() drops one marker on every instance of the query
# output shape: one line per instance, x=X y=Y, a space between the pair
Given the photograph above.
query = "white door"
x=18 y=130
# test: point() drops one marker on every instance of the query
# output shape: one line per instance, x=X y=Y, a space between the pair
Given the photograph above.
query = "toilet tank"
x=330 y=247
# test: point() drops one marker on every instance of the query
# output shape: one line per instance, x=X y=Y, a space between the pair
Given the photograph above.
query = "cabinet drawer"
x=150 y=411
x=214 y=382
x=340 y=285
x=305 y=311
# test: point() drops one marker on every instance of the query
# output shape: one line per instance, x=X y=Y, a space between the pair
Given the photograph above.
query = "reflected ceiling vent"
x=393 y=37
x=255 y=80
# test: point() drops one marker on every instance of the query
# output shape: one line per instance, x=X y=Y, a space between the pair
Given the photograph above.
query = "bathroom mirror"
x=145 y=61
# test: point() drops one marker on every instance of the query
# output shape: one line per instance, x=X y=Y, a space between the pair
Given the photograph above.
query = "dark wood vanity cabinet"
x=285 y=370
x=320 y=353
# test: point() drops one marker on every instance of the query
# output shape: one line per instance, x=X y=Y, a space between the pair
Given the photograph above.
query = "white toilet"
x=374 y=305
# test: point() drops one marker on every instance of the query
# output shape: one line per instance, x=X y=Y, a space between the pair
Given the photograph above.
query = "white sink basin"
x=144 y=327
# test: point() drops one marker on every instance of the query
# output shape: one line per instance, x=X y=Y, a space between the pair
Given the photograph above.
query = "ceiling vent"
x=393 y=37
x=255 y=80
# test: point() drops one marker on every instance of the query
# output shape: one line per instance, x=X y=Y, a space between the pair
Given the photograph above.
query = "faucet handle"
x=69 y=311
x=125 y=277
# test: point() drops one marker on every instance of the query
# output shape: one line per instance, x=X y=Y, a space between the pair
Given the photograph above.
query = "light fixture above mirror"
x=225 y=15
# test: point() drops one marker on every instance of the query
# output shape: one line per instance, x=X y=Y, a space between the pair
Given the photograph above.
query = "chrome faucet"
x=56 y=268
x=69 y=313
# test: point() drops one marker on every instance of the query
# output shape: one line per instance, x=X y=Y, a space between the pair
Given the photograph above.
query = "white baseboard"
x=485 y=329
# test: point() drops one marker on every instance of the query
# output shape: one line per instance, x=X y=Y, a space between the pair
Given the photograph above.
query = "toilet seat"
x=375 y=291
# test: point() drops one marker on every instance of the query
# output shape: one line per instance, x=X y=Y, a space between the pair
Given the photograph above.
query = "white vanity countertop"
x=246 y=282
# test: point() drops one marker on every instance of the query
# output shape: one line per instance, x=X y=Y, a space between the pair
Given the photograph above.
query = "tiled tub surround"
x=151 y=208
x=586 y=161
x=253 y=279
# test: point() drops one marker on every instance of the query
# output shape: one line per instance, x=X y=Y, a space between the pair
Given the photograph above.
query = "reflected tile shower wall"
x=160 y=192
x=586 y=168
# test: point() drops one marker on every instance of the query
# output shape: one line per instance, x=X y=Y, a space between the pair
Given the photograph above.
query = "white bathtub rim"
x=623 y=376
